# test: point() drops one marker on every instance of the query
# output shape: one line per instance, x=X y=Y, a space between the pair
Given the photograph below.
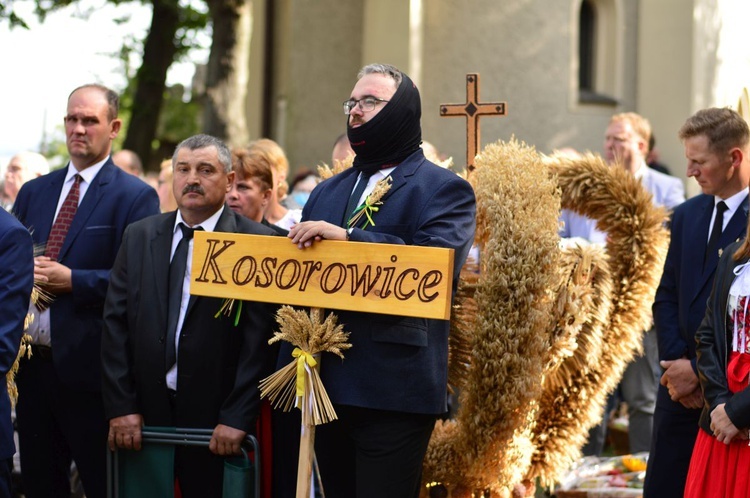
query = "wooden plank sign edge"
x=390 y=279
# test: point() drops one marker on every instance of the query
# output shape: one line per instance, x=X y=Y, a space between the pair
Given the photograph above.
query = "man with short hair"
x=169 y=358
x=626 y=145
x=129 y=162
x=386 y=415
x=22 y=167
x=717 y=147
x=78 y=213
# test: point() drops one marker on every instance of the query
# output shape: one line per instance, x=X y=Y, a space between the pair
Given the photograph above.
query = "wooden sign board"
x=378 y=278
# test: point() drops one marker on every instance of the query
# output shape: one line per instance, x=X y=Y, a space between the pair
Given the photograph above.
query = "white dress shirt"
x=39 y=328
x=208 y=225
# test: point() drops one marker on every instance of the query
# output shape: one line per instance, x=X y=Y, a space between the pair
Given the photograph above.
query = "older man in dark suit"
x=16 y=281
x=167 y=359
x=79 y=213
x=717 y=147
x=393 y=383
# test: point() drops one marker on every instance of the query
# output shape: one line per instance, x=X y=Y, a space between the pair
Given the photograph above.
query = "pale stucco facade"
x=662 y=58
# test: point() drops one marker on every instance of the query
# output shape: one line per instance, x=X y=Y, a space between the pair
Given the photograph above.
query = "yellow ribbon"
x=302 y=358
x=369 y=210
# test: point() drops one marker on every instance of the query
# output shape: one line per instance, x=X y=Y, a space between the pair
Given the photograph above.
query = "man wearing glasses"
x=392 y=384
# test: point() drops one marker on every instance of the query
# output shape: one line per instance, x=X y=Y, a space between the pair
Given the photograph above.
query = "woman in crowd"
x=251 y=189
x=167 y=201
x=274 y=156
x=721 y=456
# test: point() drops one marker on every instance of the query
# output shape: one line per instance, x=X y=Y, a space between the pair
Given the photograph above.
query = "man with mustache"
x=167 y=358
x=78 y=214
x=392 y=385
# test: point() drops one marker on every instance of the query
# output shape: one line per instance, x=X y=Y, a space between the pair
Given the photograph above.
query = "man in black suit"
x=79 y=213
x=167 y=359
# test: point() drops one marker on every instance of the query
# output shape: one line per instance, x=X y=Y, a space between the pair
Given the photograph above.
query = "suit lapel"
x=93 y=195
x=401 y=176
x=161 y=247
x=339 y=198
x=51 y=195
x=733 y=232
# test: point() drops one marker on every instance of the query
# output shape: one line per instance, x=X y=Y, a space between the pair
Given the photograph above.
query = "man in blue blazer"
x=60 y=413
x=16 y=281
x=718 y=153
x=393 y=383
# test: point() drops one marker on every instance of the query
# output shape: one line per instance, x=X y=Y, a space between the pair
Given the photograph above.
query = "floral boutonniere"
x=371 y=205
x=227 y=306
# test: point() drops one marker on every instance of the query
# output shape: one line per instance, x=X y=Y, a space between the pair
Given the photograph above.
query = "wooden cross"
x=472 y=109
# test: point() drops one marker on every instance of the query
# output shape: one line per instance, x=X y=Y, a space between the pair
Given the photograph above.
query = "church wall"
x=693 y=55
x=318 y=47
x=669 y=58
x=386 y=33
x=733 y=52
x=525 y=55
x=665 y=81
x=254 y=107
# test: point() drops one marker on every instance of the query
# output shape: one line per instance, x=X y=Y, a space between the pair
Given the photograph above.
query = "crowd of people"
x=123 y=344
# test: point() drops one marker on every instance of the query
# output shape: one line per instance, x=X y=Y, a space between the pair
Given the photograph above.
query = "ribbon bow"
x=303 y=358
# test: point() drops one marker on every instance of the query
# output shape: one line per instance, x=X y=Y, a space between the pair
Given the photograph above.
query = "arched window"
x=597 y=42
x=586 y=46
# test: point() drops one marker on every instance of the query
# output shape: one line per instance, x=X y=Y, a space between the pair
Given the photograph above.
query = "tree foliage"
x=154 y=117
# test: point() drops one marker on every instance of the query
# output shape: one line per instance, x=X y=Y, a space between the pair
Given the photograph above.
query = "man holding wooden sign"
x=392 y=384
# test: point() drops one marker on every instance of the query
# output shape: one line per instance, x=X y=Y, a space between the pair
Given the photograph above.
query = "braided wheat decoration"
x=546 y=332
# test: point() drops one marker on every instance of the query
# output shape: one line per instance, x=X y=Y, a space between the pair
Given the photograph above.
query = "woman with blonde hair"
x=273 y=154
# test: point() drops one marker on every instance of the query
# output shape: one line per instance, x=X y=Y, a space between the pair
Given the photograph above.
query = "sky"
x=41 y=66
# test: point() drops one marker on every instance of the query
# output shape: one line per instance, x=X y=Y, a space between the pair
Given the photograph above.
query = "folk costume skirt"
x=719 y=470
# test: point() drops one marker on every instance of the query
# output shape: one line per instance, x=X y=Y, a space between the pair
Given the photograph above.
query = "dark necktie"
x=364 y=179
x=63 y=220
x=713 y=240
x=176 y=277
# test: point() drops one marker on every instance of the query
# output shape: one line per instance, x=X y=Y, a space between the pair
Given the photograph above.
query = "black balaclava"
x=392 y=135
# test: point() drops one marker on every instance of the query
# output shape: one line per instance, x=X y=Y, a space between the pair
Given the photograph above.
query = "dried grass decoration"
x=298 y=383
x=41 y=300
x=371 y=205
x=547 y=331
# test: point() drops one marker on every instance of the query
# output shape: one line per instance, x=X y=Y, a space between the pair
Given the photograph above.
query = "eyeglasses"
x=366 y=104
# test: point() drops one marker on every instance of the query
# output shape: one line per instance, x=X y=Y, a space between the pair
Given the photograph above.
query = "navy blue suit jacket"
x=679 y=308
x=397 y=363
x=16 y=281
x=112 y=201
x=681 y=297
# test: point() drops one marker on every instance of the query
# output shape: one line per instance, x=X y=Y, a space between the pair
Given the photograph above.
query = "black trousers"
x=57 y=424
x=6 y=468
x=675 y=431
x=366 y=453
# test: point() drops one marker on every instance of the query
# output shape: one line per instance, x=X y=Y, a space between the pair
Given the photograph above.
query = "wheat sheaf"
x=543 y=333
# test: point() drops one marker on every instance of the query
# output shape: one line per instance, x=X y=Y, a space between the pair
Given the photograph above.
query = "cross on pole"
x=471 y=110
